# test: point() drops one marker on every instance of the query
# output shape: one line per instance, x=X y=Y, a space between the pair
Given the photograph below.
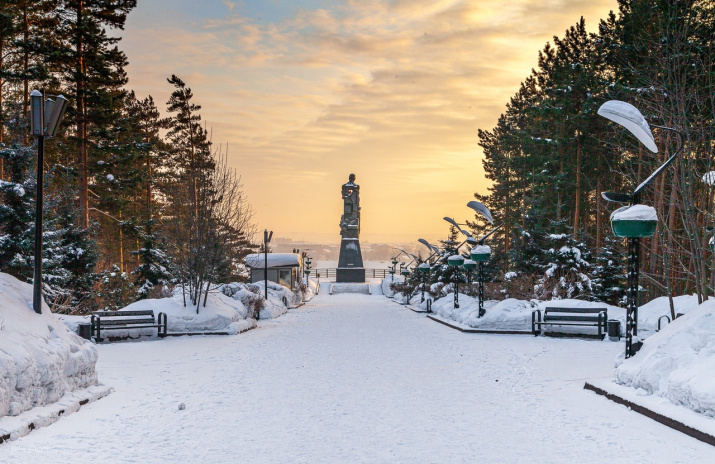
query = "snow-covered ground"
x=40 y=359
x=356 y=378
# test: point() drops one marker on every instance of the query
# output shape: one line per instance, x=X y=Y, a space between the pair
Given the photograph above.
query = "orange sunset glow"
x=305 y=92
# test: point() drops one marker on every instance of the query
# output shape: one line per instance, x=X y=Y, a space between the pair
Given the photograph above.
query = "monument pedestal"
x=350 y=274
x=350 y=267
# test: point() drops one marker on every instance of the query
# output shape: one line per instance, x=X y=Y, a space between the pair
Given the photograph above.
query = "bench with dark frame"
x=114 y=320
x=589 y=317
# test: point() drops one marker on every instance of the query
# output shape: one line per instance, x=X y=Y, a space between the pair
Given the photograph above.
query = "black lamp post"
x=456 y=261
x=45 y=118
x=629 y=117
x=266 y=240
x=481 y=252
x=424 y=269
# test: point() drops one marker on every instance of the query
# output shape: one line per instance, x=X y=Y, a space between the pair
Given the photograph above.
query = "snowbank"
x=229 y=309
x=635 y=213
x=678 y=362
x=509 y=314
x=40 y=358
x=513 y=314
x=221 y=314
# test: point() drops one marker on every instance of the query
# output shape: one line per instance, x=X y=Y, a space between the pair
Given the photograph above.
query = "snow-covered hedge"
x=678 y=362
x=278 y=296
x=40 y=358
x=387 y=282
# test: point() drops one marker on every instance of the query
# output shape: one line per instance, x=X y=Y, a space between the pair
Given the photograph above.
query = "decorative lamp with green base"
x=634 y=221
x=481 y=253
x=455 y=260
x=469 y=265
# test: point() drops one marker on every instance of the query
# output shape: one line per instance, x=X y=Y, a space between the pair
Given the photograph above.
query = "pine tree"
x=17 y=216
x=92 y=70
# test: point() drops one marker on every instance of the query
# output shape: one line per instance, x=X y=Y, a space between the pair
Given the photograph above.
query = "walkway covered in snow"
x=355 y=378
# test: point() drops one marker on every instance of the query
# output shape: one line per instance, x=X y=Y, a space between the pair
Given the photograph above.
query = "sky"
x=301 y=93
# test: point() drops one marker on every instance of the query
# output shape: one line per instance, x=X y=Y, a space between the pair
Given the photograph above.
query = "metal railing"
x=369 y=273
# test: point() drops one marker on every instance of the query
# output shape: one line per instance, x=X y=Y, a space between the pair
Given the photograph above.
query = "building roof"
x=257 y=260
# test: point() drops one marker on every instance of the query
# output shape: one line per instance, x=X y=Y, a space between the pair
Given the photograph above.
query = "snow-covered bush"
x=248 y=294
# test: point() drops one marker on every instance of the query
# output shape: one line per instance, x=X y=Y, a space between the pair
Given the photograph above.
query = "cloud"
x=394 y=91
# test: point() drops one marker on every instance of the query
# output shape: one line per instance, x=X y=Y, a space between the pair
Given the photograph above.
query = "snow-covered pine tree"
x=565 y=268
x=17 y=212
x=608 y=273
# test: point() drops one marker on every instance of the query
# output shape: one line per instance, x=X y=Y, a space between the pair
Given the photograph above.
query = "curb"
x=665 y=420
x=423 y=311
x=14 y=427
x=481 y=331
x=191 y=334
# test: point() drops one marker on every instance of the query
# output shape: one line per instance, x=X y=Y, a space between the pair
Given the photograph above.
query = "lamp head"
x=629 y=117
x=56 y=111
x=37 y=113
x=481 y=209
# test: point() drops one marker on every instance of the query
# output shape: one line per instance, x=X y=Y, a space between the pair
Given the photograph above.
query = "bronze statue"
x=350 y=220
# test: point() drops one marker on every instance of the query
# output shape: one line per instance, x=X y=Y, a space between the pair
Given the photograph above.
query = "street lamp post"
x=405 y=274
x=424 y=269
x=266 y=240
x=628 y=116
x=456 y=261
x=481 y=252
x=45 y=118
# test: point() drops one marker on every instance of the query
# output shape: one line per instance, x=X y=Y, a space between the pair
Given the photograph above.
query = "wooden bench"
x=589 y=317
x=115 y=320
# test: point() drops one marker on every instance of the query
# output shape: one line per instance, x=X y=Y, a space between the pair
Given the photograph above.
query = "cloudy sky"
x=304 y=92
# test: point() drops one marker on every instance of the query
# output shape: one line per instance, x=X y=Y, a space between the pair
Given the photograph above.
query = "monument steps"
x=339 y=287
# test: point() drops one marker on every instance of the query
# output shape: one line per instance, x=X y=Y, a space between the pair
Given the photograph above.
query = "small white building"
x=283 y=268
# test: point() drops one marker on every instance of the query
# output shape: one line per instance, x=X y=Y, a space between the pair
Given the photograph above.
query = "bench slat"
x=103 y=322
x=572 y=318
x=574 y=310
x=148 y=312
x=567 y=323
x=114 y=327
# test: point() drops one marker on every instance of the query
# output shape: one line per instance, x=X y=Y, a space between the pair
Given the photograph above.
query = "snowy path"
x=355 y=378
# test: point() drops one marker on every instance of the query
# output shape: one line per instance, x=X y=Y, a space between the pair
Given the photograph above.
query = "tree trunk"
x=577 y=206
x=81 y=124
x=599 y=201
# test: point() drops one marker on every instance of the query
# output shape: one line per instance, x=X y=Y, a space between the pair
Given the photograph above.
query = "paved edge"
x=482 y=331
x=14 y=427
x=665 y=420
x=416 y=310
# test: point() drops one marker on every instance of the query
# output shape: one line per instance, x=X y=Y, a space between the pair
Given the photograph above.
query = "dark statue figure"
x=350 y=266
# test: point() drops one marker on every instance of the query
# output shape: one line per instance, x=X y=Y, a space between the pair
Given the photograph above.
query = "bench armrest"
x=536 y=317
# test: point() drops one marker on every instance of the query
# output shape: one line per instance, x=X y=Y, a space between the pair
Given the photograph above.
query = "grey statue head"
x=352 y=178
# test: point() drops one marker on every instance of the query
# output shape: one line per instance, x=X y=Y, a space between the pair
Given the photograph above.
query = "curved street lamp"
x=480 y=257
x=628 y=116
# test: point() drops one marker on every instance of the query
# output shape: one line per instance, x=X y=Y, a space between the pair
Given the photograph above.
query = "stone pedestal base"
x=350 y=274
